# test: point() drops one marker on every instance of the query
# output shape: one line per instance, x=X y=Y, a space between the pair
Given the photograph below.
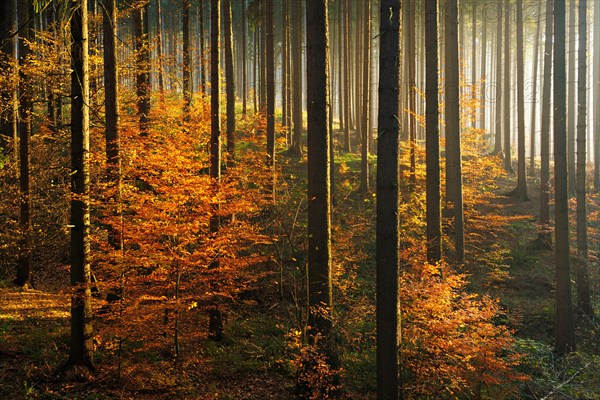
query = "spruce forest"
x=300 y=199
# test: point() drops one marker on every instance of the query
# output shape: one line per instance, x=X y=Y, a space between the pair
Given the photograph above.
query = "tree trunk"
x=572 y=100
x=111 y=101
x=186 y=64
x=364 y=165
x=432 y=143
x=8 y=118
x=596 y=86
x=203 y=66
x=346 y=83
x=498 y=85
x=319 y=215
x=387 y=241
x=506 y=94
x=82 y=346
x=411 y=55
x=564 y=331
x=270 y=86
x=296 y=148
x=159 y=50
x=229 y=82
x=584 y=303
x=453 y=151
x=215 y=324
x=142 y=61
x=544 y=238
x=244 y=63
x=520 y=192
x=535 y=87
x=24 y=272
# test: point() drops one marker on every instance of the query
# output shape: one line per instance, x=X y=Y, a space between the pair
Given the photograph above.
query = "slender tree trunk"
x=572 y=100
x=203 y=66
x=564 y=331
x=24 y=262
x=535 y=87
x=544 y=238
x=584 y=303
x=142 y=60
x=319 y=214
x=244 y=62
x=506 y=94
x=596 y=86
x=270 y=85
x=186 y=64
x=484 y=79
x=453 y=151
x=229 y=82
x=296 y=148
x=498 y=85
x=520 y=192
x=215 y=330
x=411 y=54
x=364 y=169
x=434 y=227
x=8 y=118
x=82 y=346
x=474 y=35
x=346 y=83
x=111 y=101
x=159 y=50
x=387 y=242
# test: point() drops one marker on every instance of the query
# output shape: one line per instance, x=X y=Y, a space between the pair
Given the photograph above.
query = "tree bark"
x=142 y=61
x=498 y=85
x=296 y=148
x=564 y=331
x=270 y=86
x=387 y=238
x=535 y=88
x=506 y=92
x=572 y=100
x=82 y=347
x=186 y=58
x=229 y=80
x=364 y=165
x=159 y=50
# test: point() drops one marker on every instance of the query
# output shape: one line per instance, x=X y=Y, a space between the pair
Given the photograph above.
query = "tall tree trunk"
x=544 y=238
x=244 y=63
x=186 y=64
x=284 y=70
x=484 y=78
x=506 y=92
x=24 y=261
x=572 y=100
x=82 y=346
x=411 y=55
x=8 y=118
x=520 y=192
x=432 y=140
x=346 y=83
x=387 y=241
x=159 y=50
x=229 y=82
x=564 y=331
x=270 y=85
x=203 y=66
x=584 y=303
x=498 y=85
x=142 y=61
x=111 y=101
x=453 y=151
x=296 y=148
x=319 y=214
x=535 y=87
x=596 y=86
x=364 y=166
x=474 y=35
x=215 y=314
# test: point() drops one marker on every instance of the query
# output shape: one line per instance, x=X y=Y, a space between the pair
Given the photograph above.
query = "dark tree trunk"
x=498 y=85
x=186 y=64
x=434 y=227
x=364 y=166
x=296 y=148
x=564 y=331
x=520 y=192
x=229 y=80
x=215 y=325
x=346 y=82
x=506 y=92
x=82 y=346
x=270 y=85
x=111 y=101
x=411 y=54
x=453 y=150
x=319 y=215
x=584 y=303
x=142 y=60
x=159 y=51
x=387 y=241
x=244 y=66
x=571 y=99
x=544 y=237
x=203 y=67
x=8 y=120
x=24 y=261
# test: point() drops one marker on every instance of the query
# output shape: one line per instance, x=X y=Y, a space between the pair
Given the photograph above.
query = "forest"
x=299 y=199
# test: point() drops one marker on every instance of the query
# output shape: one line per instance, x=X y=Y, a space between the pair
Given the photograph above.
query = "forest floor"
x=502 y=262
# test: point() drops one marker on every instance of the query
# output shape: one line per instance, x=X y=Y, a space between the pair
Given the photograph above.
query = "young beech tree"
x=82 y=347
x=564 y=331
x=387 y=239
